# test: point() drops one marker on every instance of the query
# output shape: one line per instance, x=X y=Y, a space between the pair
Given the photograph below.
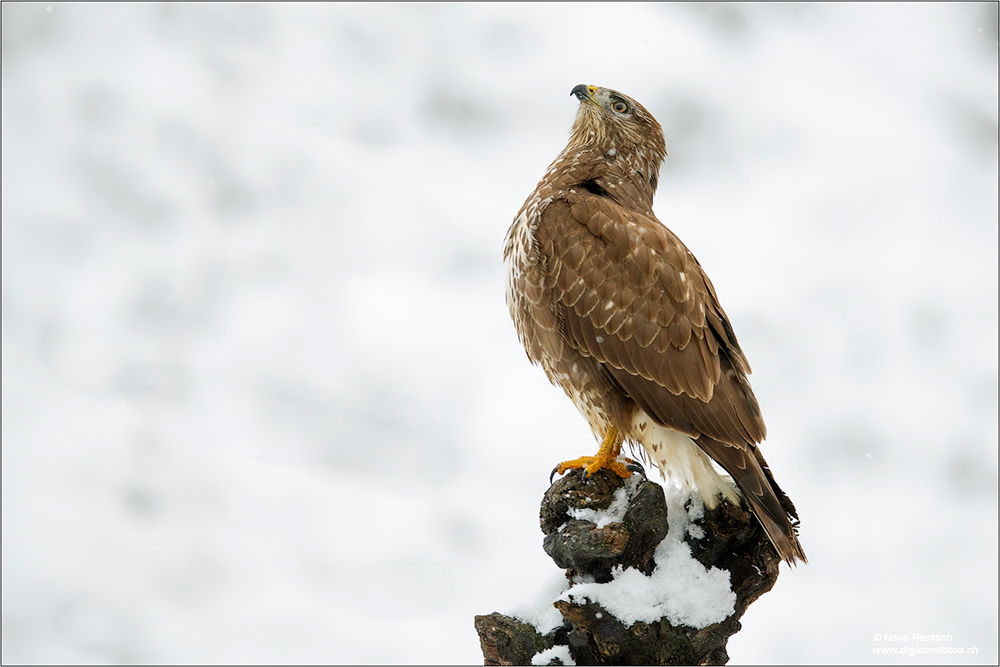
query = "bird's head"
x=620 y=129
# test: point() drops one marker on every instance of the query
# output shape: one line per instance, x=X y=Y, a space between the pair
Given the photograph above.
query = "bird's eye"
x=620 y=107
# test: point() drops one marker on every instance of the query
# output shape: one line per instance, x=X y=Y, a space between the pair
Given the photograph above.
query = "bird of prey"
x=621 y=316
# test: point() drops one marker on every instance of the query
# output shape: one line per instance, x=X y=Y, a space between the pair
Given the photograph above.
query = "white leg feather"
x=681 y=460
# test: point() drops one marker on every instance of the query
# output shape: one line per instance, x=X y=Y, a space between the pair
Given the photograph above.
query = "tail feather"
x=769 y=503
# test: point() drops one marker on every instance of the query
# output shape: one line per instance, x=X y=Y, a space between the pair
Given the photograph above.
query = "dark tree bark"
x=733 y=541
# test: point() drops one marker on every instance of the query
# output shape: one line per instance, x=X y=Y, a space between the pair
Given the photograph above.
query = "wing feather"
x=630 y=295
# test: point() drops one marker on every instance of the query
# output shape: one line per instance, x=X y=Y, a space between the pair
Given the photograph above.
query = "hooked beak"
x=584 y=93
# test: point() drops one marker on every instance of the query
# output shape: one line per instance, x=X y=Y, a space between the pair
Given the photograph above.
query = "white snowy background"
x=262 y=400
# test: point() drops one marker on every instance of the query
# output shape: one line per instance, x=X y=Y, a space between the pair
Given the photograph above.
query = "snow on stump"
x=651 y=578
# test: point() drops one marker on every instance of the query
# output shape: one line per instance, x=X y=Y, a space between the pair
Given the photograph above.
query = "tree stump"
x=644 y=585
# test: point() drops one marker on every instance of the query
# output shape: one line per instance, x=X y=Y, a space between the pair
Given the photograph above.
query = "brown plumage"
x=619 y=313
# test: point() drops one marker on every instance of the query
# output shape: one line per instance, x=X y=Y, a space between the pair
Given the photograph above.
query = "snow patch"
x=538 y=611
x=680 y=588
x=614 y=512
x=694 y=512
x=560 y=651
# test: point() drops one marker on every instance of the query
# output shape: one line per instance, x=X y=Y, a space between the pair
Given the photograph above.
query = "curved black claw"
x=636 y=467
x=553 y=474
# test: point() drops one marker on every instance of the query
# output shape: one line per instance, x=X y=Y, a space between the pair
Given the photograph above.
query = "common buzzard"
x=620 y=314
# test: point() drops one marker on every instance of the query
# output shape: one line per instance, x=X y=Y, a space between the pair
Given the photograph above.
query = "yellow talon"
x=606 y=458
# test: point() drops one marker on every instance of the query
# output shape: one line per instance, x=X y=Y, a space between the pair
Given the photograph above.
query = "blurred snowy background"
x=262 y=401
